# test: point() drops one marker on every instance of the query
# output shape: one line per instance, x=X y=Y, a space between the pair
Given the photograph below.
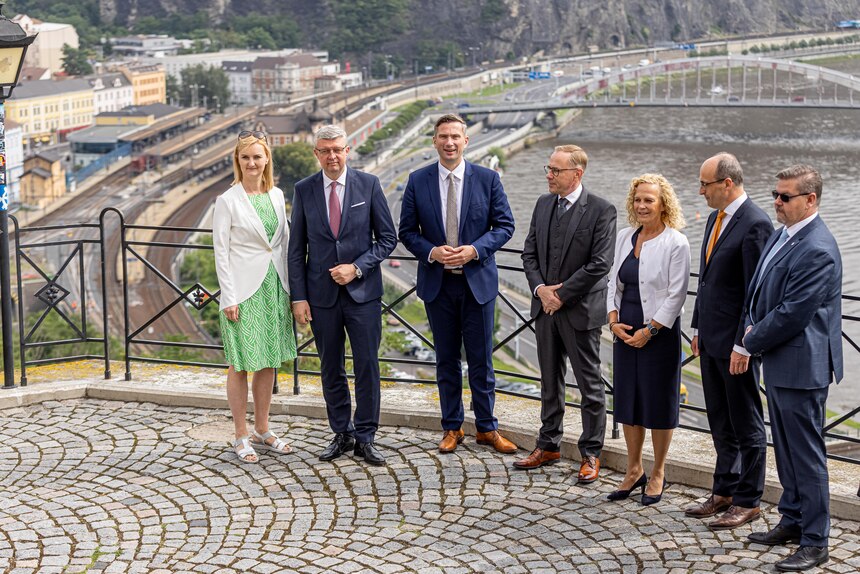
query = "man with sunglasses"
x=341 y=230
x=794 y=321
x=734 y=238
x=567 y=256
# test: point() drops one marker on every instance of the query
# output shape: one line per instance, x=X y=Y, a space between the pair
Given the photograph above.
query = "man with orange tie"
x=735 y=236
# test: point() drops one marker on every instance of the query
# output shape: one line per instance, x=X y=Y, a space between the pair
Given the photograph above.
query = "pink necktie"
x=334 y=209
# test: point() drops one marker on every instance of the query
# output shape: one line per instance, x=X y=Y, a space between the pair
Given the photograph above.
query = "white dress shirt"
x=459 y=173
x=341 y=190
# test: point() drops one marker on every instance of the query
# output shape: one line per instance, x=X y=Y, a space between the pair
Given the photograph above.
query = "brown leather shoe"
x=734 y=517
x=539 y=457
x=588 y=470
x=450 y=440
x=714 y=504
x=498 y=442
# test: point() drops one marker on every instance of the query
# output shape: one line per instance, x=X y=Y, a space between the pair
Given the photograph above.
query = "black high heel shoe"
x=648 y=500
x=622 y=494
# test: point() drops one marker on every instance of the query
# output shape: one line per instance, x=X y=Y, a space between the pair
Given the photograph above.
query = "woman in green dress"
x=250 y=237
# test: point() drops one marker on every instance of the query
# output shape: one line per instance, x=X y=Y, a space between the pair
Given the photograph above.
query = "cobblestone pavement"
x=95 y=486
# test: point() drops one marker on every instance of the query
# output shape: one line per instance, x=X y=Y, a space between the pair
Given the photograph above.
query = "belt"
x=453 y=271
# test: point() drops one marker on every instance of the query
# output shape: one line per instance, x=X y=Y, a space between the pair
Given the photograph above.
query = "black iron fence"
x=154 y=301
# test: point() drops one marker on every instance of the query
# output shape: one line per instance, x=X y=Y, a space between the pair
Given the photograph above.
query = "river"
x=624 y=142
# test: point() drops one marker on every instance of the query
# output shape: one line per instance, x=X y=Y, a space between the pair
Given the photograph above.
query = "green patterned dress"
x=263 y=337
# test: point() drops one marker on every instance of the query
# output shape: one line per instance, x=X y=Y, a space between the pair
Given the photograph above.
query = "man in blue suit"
x=794 y=321
x=340 y=231
x=735 y=235
x=454 y=217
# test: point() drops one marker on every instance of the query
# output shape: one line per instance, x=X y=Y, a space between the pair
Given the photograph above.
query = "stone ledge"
x=690 y=459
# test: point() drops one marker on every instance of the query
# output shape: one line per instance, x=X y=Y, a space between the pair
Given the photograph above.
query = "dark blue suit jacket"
x=366 y=237
x=486 y=222
x=724 y=280
x=796 y=313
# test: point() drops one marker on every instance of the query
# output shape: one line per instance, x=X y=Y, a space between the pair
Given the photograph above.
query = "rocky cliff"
x=523 y=27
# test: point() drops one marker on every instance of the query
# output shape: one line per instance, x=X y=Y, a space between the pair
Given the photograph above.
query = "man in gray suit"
x=567 y=256
x=794 y=321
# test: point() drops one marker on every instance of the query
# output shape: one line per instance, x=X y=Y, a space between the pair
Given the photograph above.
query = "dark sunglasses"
x=784 y=197
x=252 y=133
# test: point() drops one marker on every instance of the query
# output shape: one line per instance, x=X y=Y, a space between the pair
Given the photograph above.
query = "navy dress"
x=647 y=380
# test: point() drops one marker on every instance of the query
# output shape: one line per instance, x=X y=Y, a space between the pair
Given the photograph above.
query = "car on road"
x=393 y=263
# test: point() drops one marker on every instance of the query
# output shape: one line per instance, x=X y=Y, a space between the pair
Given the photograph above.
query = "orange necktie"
x=715 y=235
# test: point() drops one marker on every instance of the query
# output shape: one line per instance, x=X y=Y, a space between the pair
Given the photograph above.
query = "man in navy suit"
x=340 y=231
x=735 y=235
x=794 y=321
x=455 y=216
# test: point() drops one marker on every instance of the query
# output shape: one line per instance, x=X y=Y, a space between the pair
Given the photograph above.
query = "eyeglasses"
x=547 y=169
x=784 y=197
x=704 y=184
x=252 y=133
x=331 y=150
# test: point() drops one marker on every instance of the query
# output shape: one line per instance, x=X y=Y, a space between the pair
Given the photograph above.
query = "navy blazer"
x=366 y=237
x=724 y=280
x=486 y=222
x=796 y=312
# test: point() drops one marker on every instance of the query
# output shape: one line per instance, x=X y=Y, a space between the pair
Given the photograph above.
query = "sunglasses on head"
x=252 y=133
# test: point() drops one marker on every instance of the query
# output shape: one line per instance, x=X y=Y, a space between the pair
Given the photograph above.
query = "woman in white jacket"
x=250 y=238
x=647 y=289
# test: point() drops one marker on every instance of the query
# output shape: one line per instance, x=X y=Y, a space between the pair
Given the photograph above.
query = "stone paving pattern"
x=102 y=486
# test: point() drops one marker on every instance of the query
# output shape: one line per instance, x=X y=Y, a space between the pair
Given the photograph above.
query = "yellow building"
x=49 y=110
x=43 y=181
x=149 y=82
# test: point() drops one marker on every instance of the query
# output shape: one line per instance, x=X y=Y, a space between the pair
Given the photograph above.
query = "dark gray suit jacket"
x=589 y=248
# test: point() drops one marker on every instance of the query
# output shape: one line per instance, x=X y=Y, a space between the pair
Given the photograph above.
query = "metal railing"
x=154 y=291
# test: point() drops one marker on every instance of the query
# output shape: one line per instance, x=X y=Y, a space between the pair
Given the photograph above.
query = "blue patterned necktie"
x=783 y=237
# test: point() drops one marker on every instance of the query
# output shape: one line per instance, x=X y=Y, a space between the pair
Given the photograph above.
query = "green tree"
x=365 y=25
x=202 y=85
x=75 y=62
x=493 y=10
x=293 y=162
x=281 y=32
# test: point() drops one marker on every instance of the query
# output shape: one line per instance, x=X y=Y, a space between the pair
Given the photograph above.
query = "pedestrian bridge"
x=736 y=81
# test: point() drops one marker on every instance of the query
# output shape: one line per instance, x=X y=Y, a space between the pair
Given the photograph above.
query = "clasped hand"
x=453 y=256
x=638 y=339
x=549 y=299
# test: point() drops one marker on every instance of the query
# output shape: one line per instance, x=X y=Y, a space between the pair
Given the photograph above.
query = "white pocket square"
x=357 y=204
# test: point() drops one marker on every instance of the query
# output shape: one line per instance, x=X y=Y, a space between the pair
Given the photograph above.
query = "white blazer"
x=664 y=273
x=242 y=249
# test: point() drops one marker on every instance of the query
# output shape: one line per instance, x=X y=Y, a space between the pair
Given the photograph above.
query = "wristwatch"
x=357 y=270
x=652 y=330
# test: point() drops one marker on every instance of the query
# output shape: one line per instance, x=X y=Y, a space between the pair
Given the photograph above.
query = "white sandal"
x=277 y=445
x=246 y=450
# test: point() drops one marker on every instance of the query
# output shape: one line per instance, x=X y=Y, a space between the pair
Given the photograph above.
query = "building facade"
x=148 y=82
x=43 y=180
x=239 y=76
x=14 y=160
x=47 y=50
x=49 y=110
x=111 y=92
x=151 y=45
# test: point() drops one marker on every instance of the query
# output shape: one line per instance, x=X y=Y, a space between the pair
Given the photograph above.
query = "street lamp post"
x=13 y=45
